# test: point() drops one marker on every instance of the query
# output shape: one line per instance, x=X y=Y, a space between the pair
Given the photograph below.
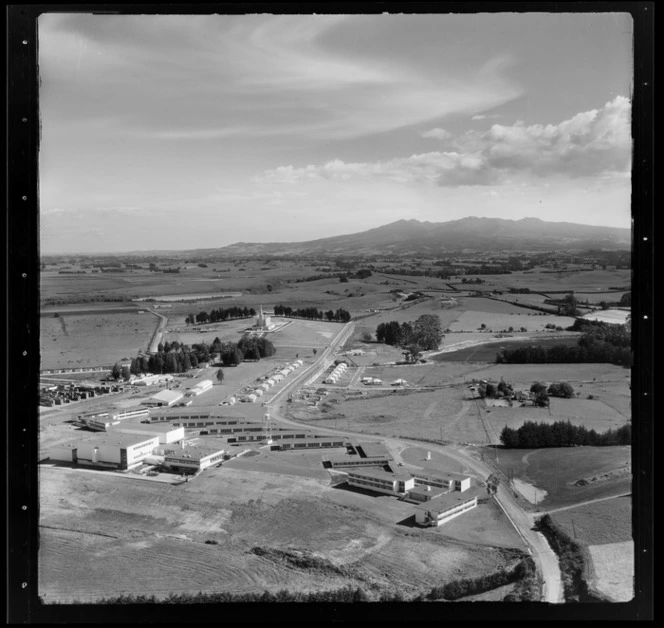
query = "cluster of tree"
x=73 y=272
x=221 y=314
x=532 y=435
x=313 y=313
x=520 y=291
x=458 y=589
x=425 y=333
x=589 y=349
x=572 y=560
x=495 y=391
x=413 y=296
x=312 y=278
x=476 y=280
x=253 y=348
x=446 y=273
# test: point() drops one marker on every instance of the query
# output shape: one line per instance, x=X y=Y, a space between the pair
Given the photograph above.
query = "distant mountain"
x=410 y=237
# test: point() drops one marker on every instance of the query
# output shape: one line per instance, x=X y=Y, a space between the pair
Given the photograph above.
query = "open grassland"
x=544 y=280
x=410 y=311
x=132 y=536
x=613 y=567
x=93 y=340
x=558 y=470
x=598 y=523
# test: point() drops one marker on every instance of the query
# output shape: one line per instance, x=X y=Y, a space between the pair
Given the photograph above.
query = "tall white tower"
x=268 y=431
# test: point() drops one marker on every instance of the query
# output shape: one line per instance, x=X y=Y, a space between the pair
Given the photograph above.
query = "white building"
x=191 y=459
x=376 y=479
x=164 y=432
x=151 y=380
x=164 y=398
x=200 y=388
x=119 y=451
x=263 y=321
x=101 y=421
x=445 y=508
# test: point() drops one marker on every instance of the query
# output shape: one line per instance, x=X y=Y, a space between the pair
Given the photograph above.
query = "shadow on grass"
x=344 y=486
x=409 y=522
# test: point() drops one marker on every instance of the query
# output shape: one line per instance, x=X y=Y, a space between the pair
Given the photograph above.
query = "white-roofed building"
x=164 y=398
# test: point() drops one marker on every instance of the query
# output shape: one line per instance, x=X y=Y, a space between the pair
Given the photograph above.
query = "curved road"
x=522 y=521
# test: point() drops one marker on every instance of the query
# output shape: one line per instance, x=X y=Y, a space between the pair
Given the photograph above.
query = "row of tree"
x=425 y=333
x=591 y=348
x=221 y=314
x=312 y=313
x=532 y=435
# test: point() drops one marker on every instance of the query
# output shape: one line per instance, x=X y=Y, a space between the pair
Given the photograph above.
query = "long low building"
x=101 y=421
x=345 y=462
x=381 y=481
x=176 y=414
x=449 y=481
x=446 y=507
x=166 y=433
x=199 y=388
x=192 y=459
x=119 y=451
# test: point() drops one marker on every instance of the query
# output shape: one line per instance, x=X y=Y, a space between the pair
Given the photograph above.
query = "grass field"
x=556 y=471
x=94 y=339
x=110 y=523
x=487 y=352
x=608 y=521
x=613 y=566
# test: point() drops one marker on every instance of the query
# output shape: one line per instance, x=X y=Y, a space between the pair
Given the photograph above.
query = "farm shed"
x=164 y=398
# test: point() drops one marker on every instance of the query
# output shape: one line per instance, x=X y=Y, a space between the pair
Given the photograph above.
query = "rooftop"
x=378 y=472
x=145 y=427
x=167 y=396
x=439 y=475
x=371 y=450
x=119 y=439
x=193 y=452
x=449 y=500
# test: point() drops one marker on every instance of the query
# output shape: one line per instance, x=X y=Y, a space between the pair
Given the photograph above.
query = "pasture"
x=558 y=470
x=598 y=523
x=93 y=339
x=109 y=522
x=613 y=567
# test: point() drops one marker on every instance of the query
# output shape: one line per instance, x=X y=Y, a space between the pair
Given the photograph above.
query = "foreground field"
x=613 y=567
x=569 y=476
x=141 y=537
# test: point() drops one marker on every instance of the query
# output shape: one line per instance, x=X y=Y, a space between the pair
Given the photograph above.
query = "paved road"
x=158 y=333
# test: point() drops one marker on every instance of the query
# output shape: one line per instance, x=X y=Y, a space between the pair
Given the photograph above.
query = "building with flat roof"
x=371 y=450
x=381 y=481
x=450 y=481
x=164 y=398
x=348 y=461
x=119 y=451
x=101 y=421
x=166 y=433
x=446 y=507
x=425 y=493
x=192 y=459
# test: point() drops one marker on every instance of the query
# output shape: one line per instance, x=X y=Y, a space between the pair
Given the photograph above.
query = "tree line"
x=174 y=357
x=533 y=435
x=600 y=343
x=339 y=315
x=221 y=314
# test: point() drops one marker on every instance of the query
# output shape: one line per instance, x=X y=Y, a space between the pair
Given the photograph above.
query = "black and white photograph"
x=335 y=308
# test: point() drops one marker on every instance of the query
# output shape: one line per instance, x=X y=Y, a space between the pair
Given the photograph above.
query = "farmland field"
x=558 y=470
x=161 y=531
x=598 y=523
x=613 y=566
x=94 y=339
x=487 y=352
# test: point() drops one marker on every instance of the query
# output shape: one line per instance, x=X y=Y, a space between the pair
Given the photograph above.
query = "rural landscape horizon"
x=335 y=308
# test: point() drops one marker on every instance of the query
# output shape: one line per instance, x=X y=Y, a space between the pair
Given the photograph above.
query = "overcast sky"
x=179 y=132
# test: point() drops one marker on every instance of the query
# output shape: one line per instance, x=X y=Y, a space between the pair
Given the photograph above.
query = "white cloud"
x=437 y=134
x=592 y=143
x=483 y=116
